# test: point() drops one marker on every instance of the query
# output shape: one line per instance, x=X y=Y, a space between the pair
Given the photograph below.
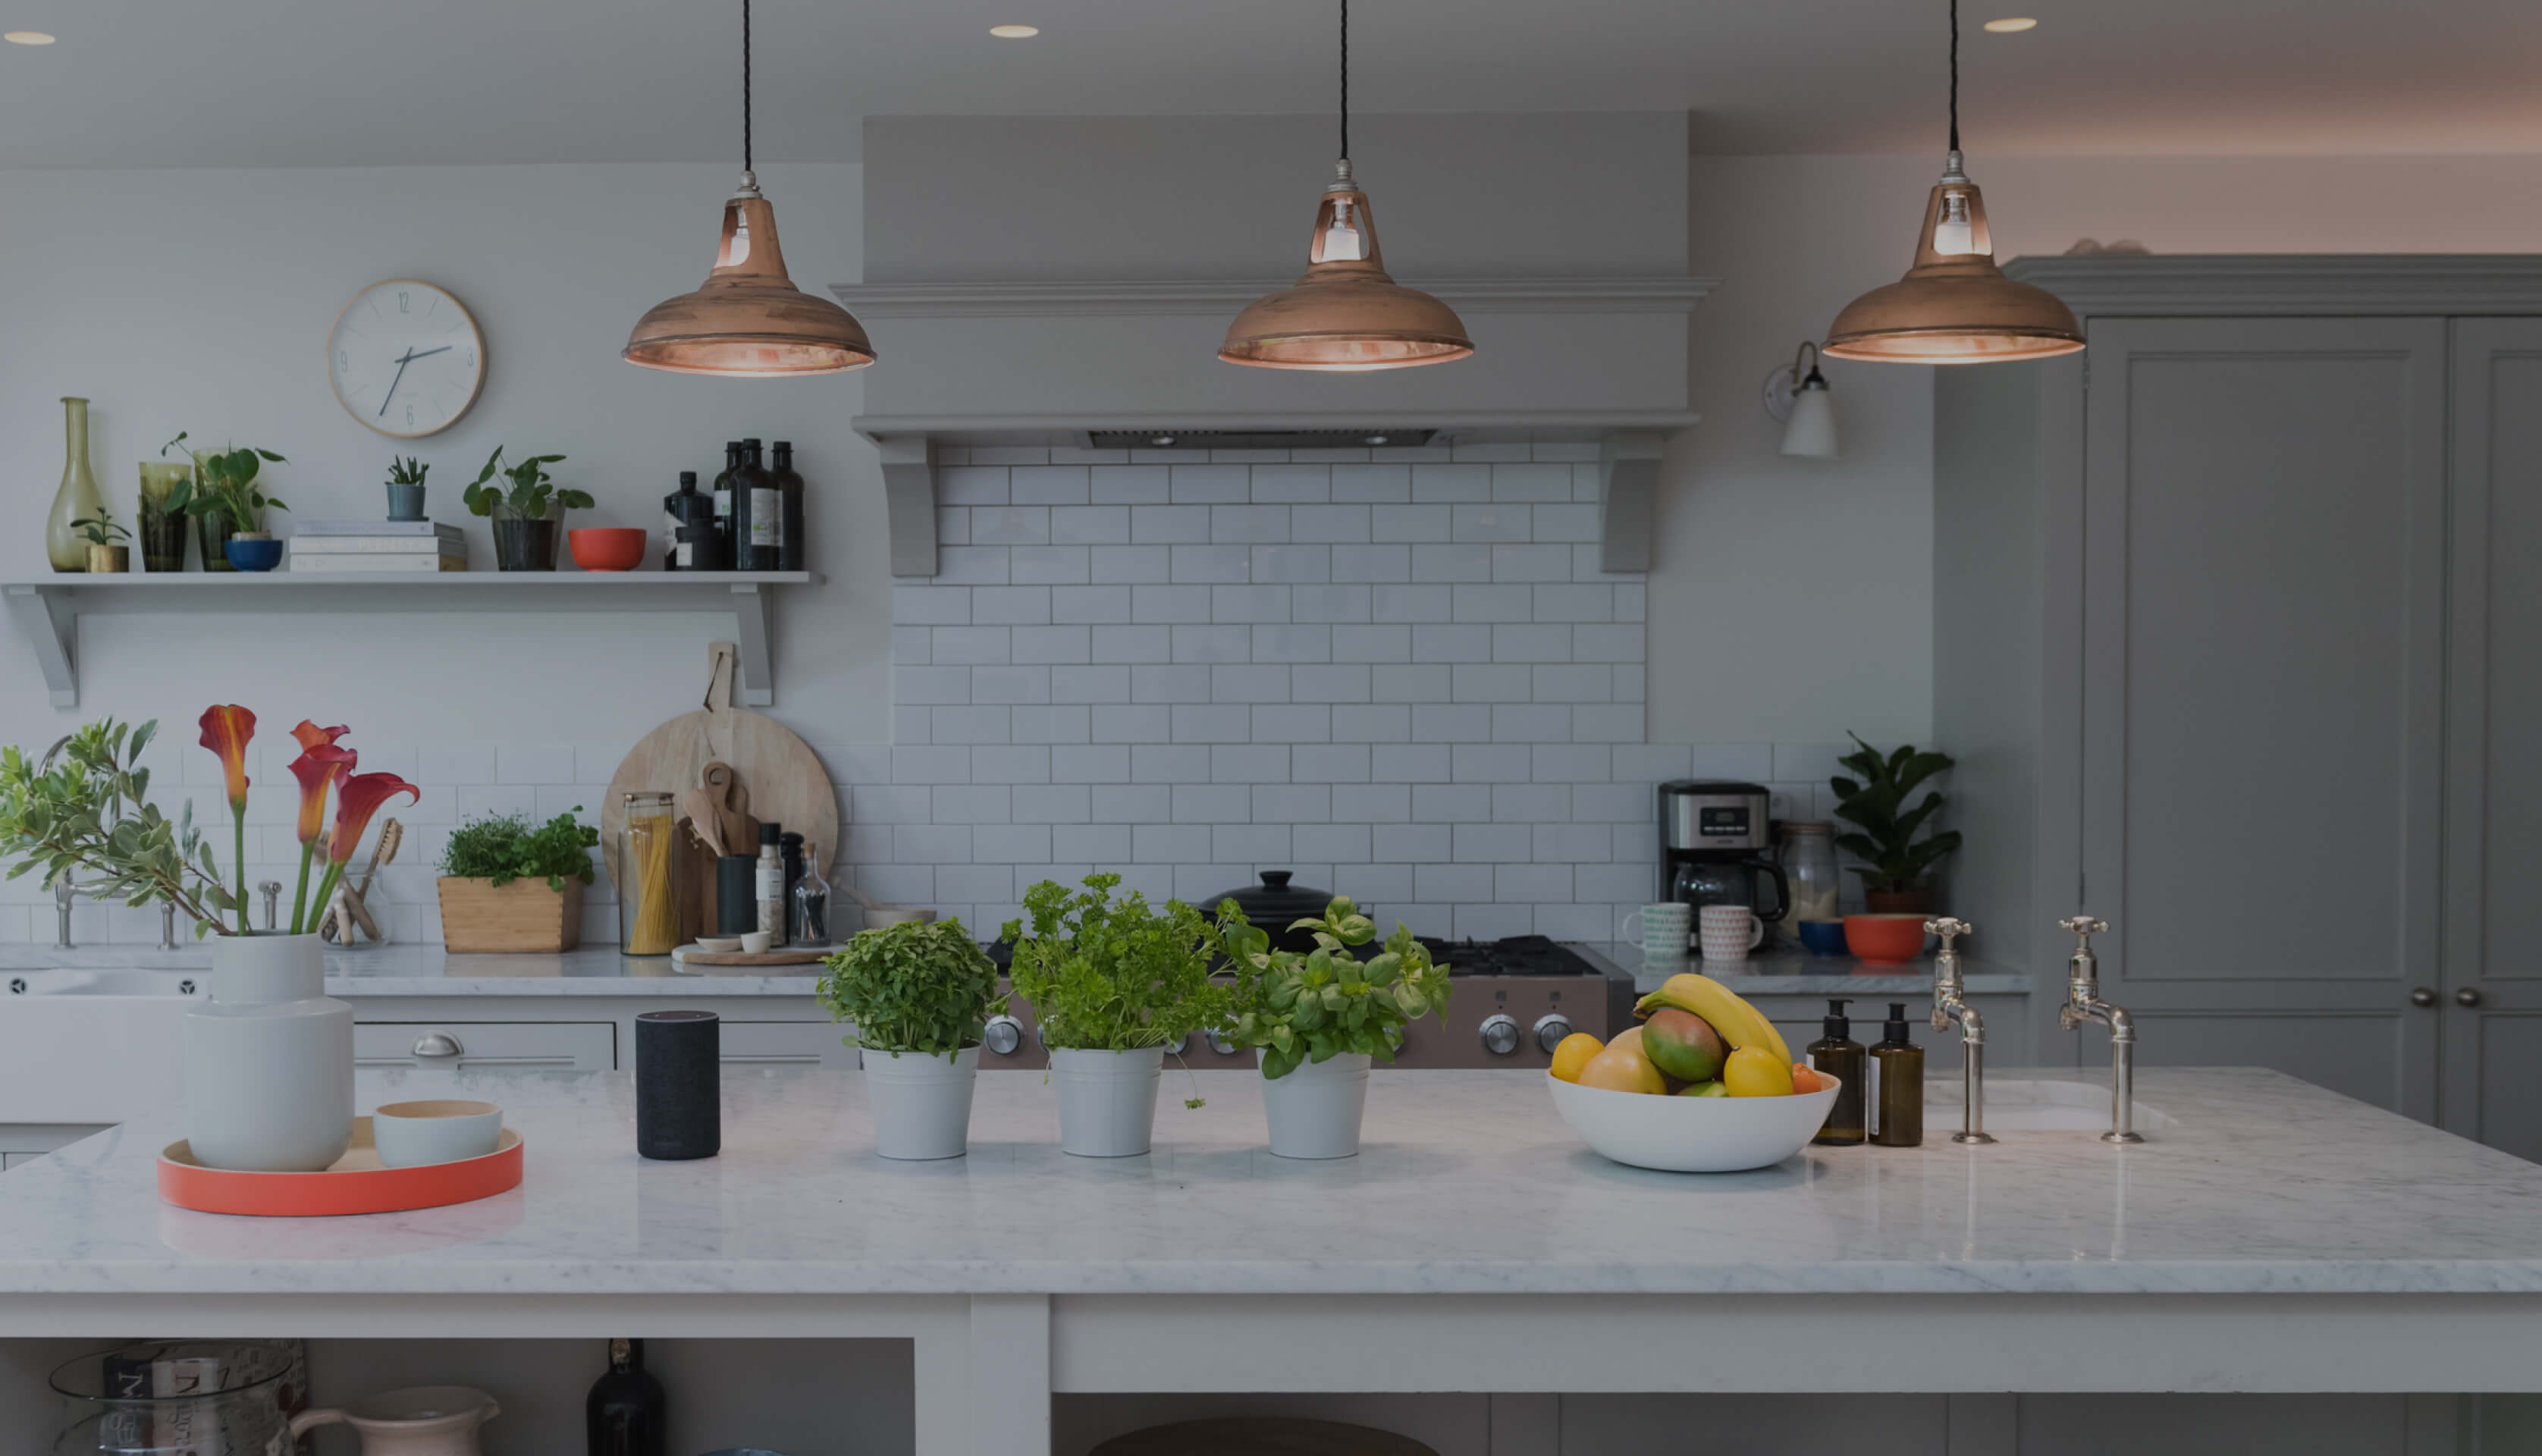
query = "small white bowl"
x=416 y=1134
x=757 y=942
x=1691 y=1134
x=724 y=944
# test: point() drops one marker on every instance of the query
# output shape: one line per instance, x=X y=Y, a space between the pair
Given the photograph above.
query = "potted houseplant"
x=528 y=513
x=1318 y=1019
x=1113 y=985
x=405 y=488
x=103 y=555
x=163 y=525
x=1896 y=868
x=509 y=885
x=224 y=498
x=920 y=995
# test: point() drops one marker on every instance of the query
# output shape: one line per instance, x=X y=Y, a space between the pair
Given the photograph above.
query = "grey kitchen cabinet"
x=509 y=1046
x=2226 y=641
x=786 y=1044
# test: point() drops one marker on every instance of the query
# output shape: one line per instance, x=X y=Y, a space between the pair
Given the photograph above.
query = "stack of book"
x=377 y=546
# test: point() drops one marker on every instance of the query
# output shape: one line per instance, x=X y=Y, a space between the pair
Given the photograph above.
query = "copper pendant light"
x=1344 y=315
x=748 y=318
x=1954 y=306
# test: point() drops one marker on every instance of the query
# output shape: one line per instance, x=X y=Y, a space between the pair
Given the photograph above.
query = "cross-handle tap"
x=1949 y=1006
x=64 y=892
x=271 y=890
x=2084 y=1003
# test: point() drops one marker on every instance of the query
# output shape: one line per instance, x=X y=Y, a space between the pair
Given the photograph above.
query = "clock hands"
x=408 y=357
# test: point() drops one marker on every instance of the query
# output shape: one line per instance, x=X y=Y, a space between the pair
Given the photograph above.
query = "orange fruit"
x=1574 y=1054
x=1623 y=1069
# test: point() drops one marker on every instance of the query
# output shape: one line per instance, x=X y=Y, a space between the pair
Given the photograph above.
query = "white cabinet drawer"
x=519 y=1045
x=787 y=1044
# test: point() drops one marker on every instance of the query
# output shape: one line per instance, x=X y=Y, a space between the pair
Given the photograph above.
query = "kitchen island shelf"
x=47 y=610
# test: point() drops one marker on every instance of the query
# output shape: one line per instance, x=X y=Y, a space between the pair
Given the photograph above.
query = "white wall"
x=1792 y=599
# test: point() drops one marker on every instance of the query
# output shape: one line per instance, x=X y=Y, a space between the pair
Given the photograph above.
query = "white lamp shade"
x=1811 y=432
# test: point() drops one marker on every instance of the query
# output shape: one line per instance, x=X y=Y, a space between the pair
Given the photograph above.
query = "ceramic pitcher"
x=424 y=1420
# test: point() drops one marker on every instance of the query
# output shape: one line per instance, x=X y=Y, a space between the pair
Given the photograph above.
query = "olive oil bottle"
x=1838 y=1056
x=1900 y=1106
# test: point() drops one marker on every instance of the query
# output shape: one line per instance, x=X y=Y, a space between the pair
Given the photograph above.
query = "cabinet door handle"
x=437 y=1045
x=2466 y=998
x=2422 y=997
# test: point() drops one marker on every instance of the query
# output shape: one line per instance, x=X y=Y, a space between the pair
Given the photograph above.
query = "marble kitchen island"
x=2270 y=1237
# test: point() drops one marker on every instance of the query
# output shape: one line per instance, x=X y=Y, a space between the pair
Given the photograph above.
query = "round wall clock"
x=405 y=358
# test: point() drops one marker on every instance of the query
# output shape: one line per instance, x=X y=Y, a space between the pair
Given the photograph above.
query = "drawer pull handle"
x=437 y=1045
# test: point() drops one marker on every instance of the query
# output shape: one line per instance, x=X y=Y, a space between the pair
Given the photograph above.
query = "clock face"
x=405 y=358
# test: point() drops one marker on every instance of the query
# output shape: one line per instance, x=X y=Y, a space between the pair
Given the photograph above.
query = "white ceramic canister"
x=1314 y=1111
x=1107 y=1100
x=921 y=1104
x=269 y=1060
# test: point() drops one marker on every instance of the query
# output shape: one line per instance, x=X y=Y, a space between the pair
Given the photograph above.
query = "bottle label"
x=772 y=882
x=766 y=528
x=724 y=502
x=685 y=554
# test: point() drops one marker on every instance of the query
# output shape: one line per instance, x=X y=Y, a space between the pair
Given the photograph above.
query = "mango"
x=1704 y=1089
x=1754 y=1071
x=1623 y=1069
x=1682 y=1045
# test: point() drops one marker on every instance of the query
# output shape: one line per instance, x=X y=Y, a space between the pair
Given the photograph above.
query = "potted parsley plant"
x=1318 y=1019
x=509 y=884
x=1113 y=985
x=920 y=995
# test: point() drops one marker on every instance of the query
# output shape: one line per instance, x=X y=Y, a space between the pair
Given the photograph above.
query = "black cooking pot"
x=1274 y=904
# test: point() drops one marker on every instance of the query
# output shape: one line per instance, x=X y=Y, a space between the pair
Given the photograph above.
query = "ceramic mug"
x=1730 y=931
x=416 y=1134
x=1666 y=930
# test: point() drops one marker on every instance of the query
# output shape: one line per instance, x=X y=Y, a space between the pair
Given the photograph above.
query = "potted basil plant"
x=1318 y=1019
x=528 y=512
x=1113 y=987
x=920 y=995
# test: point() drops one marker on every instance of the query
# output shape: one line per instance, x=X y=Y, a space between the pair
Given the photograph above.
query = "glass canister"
x=179 y=1398
x=649 y=906
x=1809 y=862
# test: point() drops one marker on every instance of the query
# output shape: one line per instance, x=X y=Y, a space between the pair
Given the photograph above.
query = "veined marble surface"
x=1468 y=1184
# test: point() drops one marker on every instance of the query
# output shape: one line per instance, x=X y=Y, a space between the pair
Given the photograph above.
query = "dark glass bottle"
x=624 y=1414
x=723 y=498
x=790 y=507
x=685 y=507
x=757 y=518
x=1840 y=1057
x=1901 y=1085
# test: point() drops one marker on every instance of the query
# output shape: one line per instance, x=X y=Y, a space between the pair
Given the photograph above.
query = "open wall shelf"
x=47 y=610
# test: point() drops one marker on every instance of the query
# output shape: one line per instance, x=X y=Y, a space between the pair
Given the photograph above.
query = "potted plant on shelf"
x=919 y=996
x=529 y=513
x=1318 y=1019
x=103 y=555
x=509 y=885
x=405 y=488
x=1113 y=987
x=1897 y=872
x=162 y=525
x=226 y=502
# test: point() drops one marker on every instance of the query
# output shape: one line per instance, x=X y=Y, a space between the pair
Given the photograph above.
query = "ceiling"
x=185 y=83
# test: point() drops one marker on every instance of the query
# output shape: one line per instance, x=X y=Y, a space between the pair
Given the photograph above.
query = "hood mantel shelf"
x=1043 y=364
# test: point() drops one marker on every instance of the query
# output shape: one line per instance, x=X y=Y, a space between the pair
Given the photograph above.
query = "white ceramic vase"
x=1314 y=1111
x=1107 y=1100
x=269 y=1060
x=921 y=1104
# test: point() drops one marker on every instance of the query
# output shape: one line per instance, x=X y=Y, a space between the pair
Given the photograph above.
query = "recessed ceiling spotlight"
x=1015 y=33
x=26 y=38
x=1162 y=441
x=2011 y=24
x=1373 y=440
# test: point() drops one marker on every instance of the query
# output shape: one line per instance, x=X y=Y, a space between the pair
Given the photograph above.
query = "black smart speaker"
x=679 y=1107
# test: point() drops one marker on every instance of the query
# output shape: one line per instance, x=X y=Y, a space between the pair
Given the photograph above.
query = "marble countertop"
x=600 y=970
x=1468 y=1183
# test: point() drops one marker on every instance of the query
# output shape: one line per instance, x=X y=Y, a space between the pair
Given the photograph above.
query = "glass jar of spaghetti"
x=648 y=908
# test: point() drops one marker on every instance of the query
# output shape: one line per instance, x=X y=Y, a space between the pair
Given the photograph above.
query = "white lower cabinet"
x=787 y=1044
x=486 y=1046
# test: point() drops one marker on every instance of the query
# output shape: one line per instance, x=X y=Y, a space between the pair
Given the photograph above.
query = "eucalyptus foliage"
x=1116 y=976
x=530 y=492
x=507 y=847
x=1877 y=803
x=913 y=989
x=87 y=808
x=1296 y=1009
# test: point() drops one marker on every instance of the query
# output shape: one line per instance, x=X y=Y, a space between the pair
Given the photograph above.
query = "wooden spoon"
x=700 y=806
x=731 y=796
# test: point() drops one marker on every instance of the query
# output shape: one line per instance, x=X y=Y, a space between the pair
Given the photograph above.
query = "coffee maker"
x=1718 y=847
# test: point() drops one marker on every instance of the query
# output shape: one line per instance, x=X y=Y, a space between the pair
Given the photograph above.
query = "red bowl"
x=1885 y=940
x=606 y=547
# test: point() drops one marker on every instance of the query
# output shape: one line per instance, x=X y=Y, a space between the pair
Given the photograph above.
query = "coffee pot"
x=1716 y=839
x=421 y=1420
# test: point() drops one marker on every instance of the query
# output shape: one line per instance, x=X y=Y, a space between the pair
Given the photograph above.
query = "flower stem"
x=300 y=896
x=237 y=823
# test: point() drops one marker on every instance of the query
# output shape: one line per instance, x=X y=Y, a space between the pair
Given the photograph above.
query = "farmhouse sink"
x=115 y=980
x=2032 y=1106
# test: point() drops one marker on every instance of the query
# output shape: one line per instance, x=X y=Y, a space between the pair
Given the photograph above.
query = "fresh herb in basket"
x=507 y=847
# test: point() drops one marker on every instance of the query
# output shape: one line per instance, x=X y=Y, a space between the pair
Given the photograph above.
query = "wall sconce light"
x=1799 y=397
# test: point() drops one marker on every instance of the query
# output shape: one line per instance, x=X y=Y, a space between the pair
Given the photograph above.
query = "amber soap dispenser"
x=1901 y=1104
x=1839 y=1056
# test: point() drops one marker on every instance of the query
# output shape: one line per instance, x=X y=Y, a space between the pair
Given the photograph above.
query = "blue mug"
x=1822 y=937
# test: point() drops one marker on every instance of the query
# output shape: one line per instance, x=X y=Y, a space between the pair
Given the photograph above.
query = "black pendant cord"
x=1346 y=76
x=745 y=84
x=1955 y=72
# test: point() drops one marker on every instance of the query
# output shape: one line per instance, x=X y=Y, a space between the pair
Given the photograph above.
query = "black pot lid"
x=1274 y=902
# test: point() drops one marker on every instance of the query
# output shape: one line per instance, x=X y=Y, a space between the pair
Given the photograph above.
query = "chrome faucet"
x=1950 y=1005
x=64 y=892
x=167 y=925
x=2084 y=1003
x=272 y=892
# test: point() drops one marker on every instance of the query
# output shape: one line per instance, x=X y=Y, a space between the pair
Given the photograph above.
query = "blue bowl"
x=253 y=555
x=1822 y=937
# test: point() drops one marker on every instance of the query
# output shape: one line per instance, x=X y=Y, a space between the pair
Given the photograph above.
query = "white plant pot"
x=1107 y=1100
x=269 y=1060
x=921 y=1104
x=1314 y=1111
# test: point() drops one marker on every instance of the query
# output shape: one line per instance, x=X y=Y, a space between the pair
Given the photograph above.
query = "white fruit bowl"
x=1691 y=1134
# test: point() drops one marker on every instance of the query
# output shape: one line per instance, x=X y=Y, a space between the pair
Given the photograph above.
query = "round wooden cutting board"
x=786 y=782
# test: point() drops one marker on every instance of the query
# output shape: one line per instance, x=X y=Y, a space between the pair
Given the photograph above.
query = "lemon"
x=1754 y=1071
x=1574 y=1054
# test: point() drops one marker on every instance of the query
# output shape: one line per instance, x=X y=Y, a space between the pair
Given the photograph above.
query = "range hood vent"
x=1175 y=439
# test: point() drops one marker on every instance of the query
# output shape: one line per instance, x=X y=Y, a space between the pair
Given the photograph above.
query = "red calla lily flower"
x=317 y=767
x=226 y=731
x=356 y=801
x=312 y=736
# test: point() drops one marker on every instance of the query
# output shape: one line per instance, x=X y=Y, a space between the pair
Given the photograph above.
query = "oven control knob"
x=1003 y=1035
x=1218 y=1044
x=1550 y=1030
x=1500 y=1036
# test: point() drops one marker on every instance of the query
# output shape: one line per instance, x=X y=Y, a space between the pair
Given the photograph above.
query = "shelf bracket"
x=1629 y=480
x=753 y=607
x=909 y=496
x=45 y=619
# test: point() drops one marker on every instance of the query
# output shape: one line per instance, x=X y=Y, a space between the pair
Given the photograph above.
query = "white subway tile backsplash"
x=1249 y=604
x=1092 y=843
x=971 y=486
x=1105 y=763
x=1047 y=565
x=1212 y=722
x=1212 y=484
x=1330 y=522
x=1168 y=604
x=972 y=565
x=1538 y=722
x=1492 y=681
x=1343 y=681
x=1107 y=682
x=1451 y=482
x=1400 y=602
x=1451 y=561
x=1089 y=525
x=1130 y=484
x=1244 y=683
x=1170 y=683
x=970 y=725
x=1497 y=521
x=1381 y=483
x=1132 y=644
x=931 y=685
x=1293 y=564
x=1372 y=564
x=1572 y=681
x=1512 y=604
x=1090 y=604
x=1056 y=723
x=1047 y=485
x=1168 y=524
x=970 y=803
x=1012 y=604
x=1248 y=524
x=1574 y=602
x=1003 y=685
x=1197 y=639
x=1304 y=642
x=1294 y=484
x=1130 y=563
x=1011 y=525
x=1213 y=802
x=1286 y=723
x=1063 y=643
x=1531 y=482
x=1018 y=764
x=1214 y=563
x=1383 y=723
x=1514 y=563
x=1248 y=762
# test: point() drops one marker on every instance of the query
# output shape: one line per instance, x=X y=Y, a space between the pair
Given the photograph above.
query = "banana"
x=1739 y=1024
